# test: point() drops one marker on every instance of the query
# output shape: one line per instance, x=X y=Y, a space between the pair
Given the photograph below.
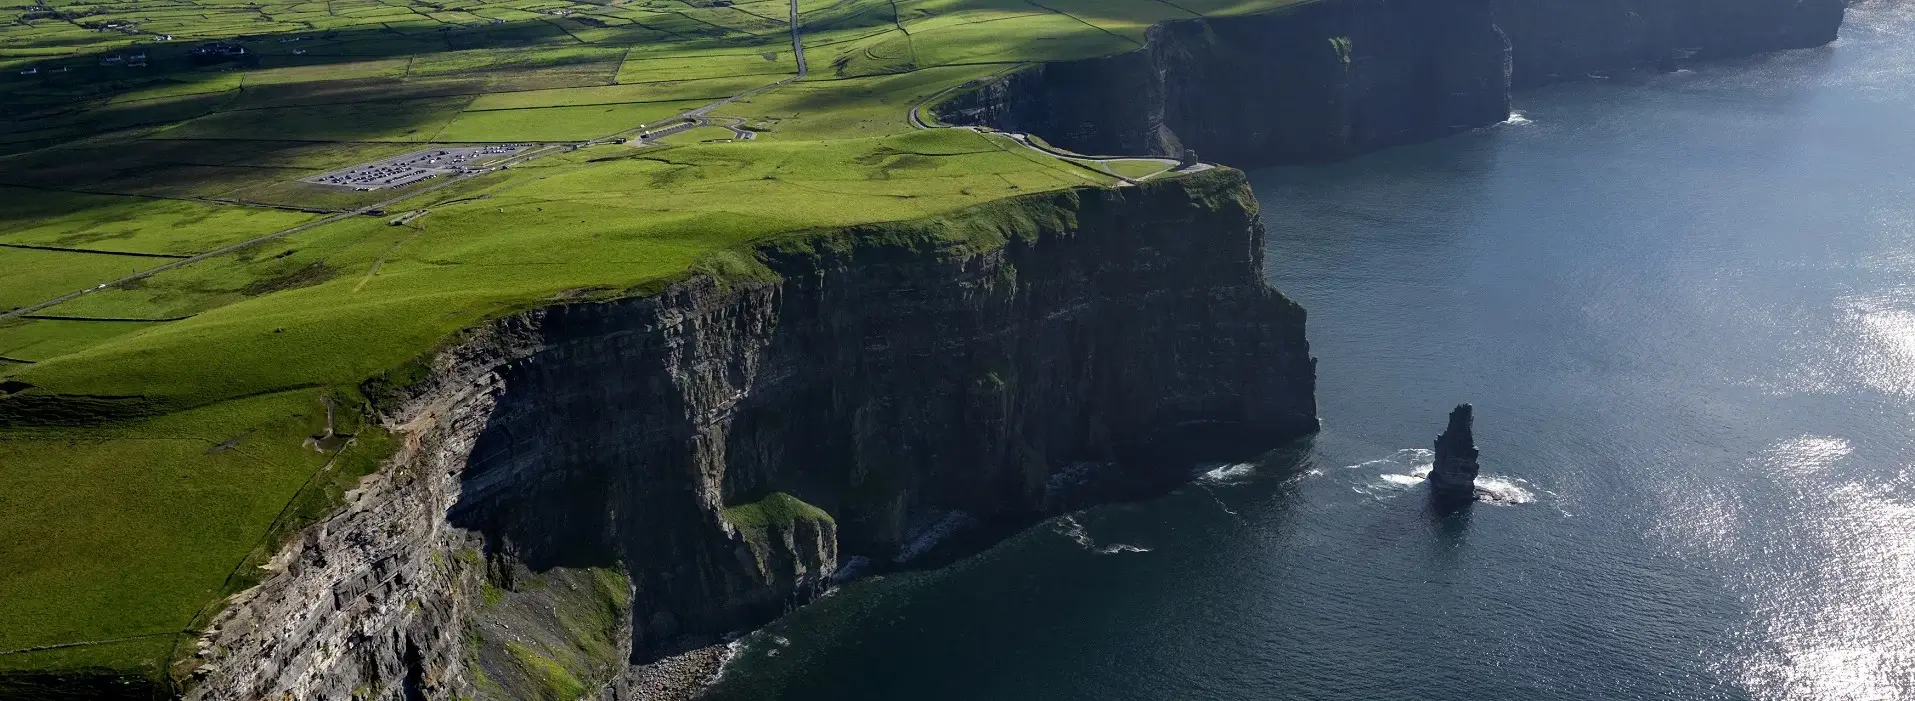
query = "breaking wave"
x=1224 y=474
x=1072 y=529
x=1403 y=470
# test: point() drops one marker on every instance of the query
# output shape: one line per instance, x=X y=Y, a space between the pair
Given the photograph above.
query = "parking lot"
x=418 y=165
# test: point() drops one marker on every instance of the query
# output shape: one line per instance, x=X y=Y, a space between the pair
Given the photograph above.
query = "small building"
x=216 y=51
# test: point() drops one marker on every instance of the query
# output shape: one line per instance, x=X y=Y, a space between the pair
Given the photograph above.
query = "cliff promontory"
x=584 y=486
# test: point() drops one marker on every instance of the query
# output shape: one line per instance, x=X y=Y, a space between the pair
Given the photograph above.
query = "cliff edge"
x=1316 y=82
x=586 y=486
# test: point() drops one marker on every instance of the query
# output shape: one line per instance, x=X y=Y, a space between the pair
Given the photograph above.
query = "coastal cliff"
x=1553 y=40
x=1321 y=81
x=1333 y=79
x=587 y=486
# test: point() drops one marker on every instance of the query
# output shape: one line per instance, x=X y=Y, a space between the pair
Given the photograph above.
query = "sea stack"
x=1453 y=476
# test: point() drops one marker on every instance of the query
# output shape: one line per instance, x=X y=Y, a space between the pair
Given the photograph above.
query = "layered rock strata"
x=589 y=485
x=1318 y=82
x=1554 y=40
x=1332 y=79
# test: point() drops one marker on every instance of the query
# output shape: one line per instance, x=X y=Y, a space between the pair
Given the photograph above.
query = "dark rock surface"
x=884 y=374
x=1333 y=79
x=1318 y=82
x=1453 y=474
x=1554 y=40
x=890 y=373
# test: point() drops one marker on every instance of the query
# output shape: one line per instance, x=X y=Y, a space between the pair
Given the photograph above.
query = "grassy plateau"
x=154 y=432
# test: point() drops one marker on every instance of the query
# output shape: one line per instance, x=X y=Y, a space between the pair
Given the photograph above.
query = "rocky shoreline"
x=679 y=677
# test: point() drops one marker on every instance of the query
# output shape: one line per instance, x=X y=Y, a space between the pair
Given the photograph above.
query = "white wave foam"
x=1407 y=457
x=1230 y=473
x=1219 y=501
x=1502 y=490
x=1403 y=480
x=1407 y=468
x=1073 y=530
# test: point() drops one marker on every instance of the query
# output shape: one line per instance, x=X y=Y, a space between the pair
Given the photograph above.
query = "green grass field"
x=1137 y=168
x=118 y=223
x=698 y=135
x=146 y=466
x=577 y=123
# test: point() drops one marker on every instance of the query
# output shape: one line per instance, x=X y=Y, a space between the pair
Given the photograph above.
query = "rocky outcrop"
x=1332 y=79
x=698 y=460
x=1317 y=82
x=1453 y=474
x=1553 y=40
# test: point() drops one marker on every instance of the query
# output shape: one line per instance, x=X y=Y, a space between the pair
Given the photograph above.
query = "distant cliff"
x=1556 y=40
x=590 y=484
x=1331 y=79
x=1320 y=81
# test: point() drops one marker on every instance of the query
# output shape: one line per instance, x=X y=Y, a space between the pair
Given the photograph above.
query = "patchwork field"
x=152 y=431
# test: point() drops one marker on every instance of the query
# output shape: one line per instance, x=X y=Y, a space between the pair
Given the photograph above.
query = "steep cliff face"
x=1555 y=40
x=1335 y=78
x=698 y=461
x=1454 y=470
x=1319 y=81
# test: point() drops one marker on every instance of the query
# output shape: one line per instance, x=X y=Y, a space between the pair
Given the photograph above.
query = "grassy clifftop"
x=157 y=438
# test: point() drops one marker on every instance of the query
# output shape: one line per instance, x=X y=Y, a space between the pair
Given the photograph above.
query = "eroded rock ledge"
x=588 y=485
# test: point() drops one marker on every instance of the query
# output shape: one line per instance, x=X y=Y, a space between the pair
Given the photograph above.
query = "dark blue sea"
x=1684 y=307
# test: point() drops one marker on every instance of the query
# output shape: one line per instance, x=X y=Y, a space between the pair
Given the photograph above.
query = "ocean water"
x=1684 y=306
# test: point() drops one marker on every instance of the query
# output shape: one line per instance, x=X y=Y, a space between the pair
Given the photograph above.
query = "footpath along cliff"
x=1331 y=79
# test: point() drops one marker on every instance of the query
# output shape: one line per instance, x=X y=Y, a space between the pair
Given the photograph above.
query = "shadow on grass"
x=345 y=67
